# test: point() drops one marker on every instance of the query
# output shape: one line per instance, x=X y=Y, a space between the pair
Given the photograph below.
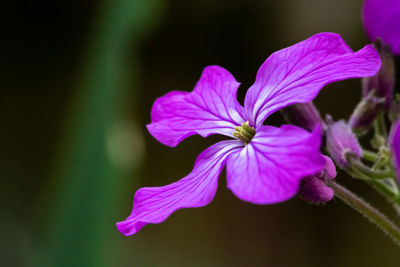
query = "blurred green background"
x=78 y=79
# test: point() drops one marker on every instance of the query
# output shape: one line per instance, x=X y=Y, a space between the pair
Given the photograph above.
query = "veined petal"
x=211 y=108
x=197 y=189
x=296 y=74
x=381 y=18
x=270 y=167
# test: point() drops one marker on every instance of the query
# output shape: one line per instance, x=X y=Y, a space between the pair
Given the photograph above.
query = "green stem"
x=379 y=125
x=390 y=192
x=382 y=181
x=386 y=190
x=359 y=167
x=374 y=215
x=370 y=156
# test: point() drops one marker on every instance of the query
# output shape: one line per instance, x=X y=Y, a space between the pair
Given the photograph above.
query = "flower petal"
x=296 y=74
x=197 y=189
x=270 y=167
x=381 y=18
x=211 y=108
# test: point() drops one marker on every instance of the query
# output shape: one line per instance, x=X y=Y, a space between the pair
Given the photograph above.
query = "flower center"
x=244 y=133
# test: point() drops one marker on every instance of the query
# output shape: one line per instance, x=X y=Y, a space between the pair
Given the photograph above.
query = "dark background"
x=78 y=79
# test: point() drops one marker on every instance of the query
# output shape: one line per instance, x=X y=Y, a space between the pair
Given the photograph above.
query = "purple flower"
x=264 y=163
x=381 y=18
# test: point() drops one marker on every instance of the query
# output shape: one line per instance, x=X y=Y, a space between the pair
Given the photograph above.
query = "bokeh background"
x=78 y=79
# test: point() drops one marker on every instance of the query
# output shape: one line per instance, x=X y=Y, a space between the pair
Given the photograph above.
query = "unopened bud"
x=364 y=114
x=304 y=115
x=383 y=81
x=341 y=142
x=314 y=189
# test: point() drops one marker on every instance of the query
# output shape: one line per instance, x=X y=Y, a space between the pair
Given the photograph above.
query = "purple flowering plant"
x=267 y=164
x=264 y=164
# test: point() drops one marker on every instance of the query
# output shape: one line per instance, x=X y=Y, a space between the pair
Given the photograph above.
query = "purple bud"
x=314 y=189
x=304 y=115
x=364 y=114
x=341 y=142
x=383 y=81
